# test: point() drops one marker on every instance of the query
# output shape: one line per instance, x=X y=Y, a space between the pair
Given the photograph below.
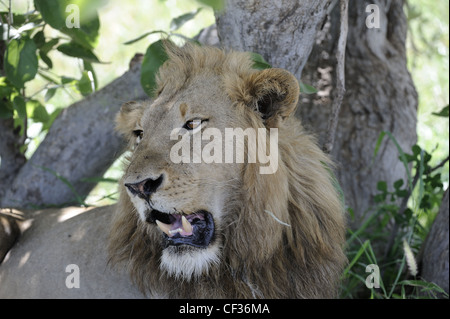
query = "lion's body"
x=277 y=235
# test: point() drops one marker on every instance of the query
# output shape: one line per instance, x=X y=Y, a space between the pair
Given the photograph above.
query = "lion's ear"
x=128 y=116
x=274 y=93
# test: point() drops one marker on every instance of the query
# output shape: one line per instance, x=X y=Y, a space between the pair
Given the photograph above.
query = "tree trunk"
x=283 y=32
x=380 y=96
x=435 y=249
x=81 y=143
x=11 y=157
x=380 y=92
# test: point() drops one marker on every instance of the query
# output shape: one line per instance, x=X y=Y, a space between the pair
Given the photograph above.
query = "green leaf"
x=67 y=80
x=153 y=59
x=6 y=107
x=382 y=186
x=416 y=150
x=20 y=106
x=38 y=111
x=306 y=88
x=60 y=15
x=21 y=62
x=401 y=193
x=39 y=39
x=443 y=113
x=49 y=94
x=258 y=62
x=6 y=110
x=87 y=34
x=44 y=57
x=398 y=183
x=52 y=12
x=379 y=198
x=88 y=67
x=179 y=21
x=47 y=46
x=378 y=144
x=86 y=84
x=21 y=109
x=77 y=51
x=217 y=5
x=143 y=36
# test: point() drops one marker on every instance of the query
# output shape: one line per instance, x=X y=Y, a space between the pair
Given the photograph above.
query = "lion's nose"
x=146 y=187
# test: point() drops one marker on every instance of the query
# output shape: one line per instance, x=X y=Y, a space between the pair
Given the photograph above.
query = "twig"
x=438 y=166
x=340 y=78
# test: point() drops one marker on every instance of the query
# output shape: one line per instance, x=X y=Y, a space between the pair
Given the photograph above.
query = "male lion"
x=224 y=230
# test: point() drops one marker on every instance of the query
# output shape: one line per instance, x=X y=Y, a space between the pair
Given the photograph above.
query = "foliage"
x=395 y=231
x=27 y=56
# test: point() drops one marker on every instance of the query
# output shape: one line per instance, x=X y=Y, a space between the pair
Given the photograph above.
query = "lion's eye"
x=138 y=133
x=193 y=124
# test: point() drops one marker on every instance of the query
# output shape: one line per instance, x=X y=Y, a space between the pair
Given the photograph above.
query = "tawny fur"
x=260 y=257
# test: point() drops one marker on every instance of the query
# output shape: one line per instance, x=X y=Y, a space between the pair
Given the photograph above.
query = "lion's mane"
x=285 y=232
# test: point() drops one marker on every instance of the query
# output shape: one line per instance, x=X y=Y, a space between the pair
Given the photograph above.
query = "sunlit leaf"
x=38 y=111
x=21 y=62
x=86 y=84
x=442 y=113
x=153 y=59
x=60 y=15
x=258 y=62
x=217 y=5
x=306 y=88
x=179 y=21
x=75 y=50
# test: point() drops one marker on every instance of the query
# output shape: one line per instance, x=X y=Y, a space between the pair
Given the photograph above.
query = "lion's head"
x=200 y=225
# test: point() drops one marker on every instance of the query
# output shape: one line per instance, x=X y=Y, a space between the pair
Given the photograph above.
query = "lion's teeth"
x=186 y=225
x=175 y=231
x=164 y=227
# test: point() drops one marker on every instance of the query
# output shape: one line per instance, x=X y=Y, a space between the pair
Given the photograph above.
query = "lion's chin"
x=189 y=263
x=189 y=248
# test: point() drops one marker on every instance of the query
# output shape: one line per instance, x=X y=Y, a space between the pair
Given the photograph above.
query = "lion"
x=224 y=230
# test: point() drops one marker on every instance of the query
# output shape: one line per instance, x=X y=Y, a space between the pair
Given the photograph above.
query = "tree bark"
x=283 y=32
x=81 y=143
x=11 y=158
x=380 y=96
x=435 y=256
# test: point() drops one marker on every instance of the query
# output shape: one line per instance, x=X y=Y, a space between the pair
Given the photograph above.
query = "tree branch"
x=340 y=78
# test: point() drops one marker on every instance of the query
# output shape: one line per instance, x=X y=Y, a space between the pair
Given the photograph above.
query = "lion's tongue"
x=180 y=226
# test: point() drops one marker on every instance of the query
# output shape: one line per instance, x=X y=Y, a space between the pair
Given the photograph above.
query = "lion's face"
x=185 y=202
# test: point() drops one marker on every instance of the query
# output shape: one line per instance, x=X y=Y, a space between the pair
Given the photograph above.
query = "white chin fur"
x=190 y=263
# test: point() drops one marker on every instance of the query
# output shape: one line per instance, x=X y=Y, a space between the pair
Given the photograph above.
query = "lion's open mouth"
x=179 y=229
